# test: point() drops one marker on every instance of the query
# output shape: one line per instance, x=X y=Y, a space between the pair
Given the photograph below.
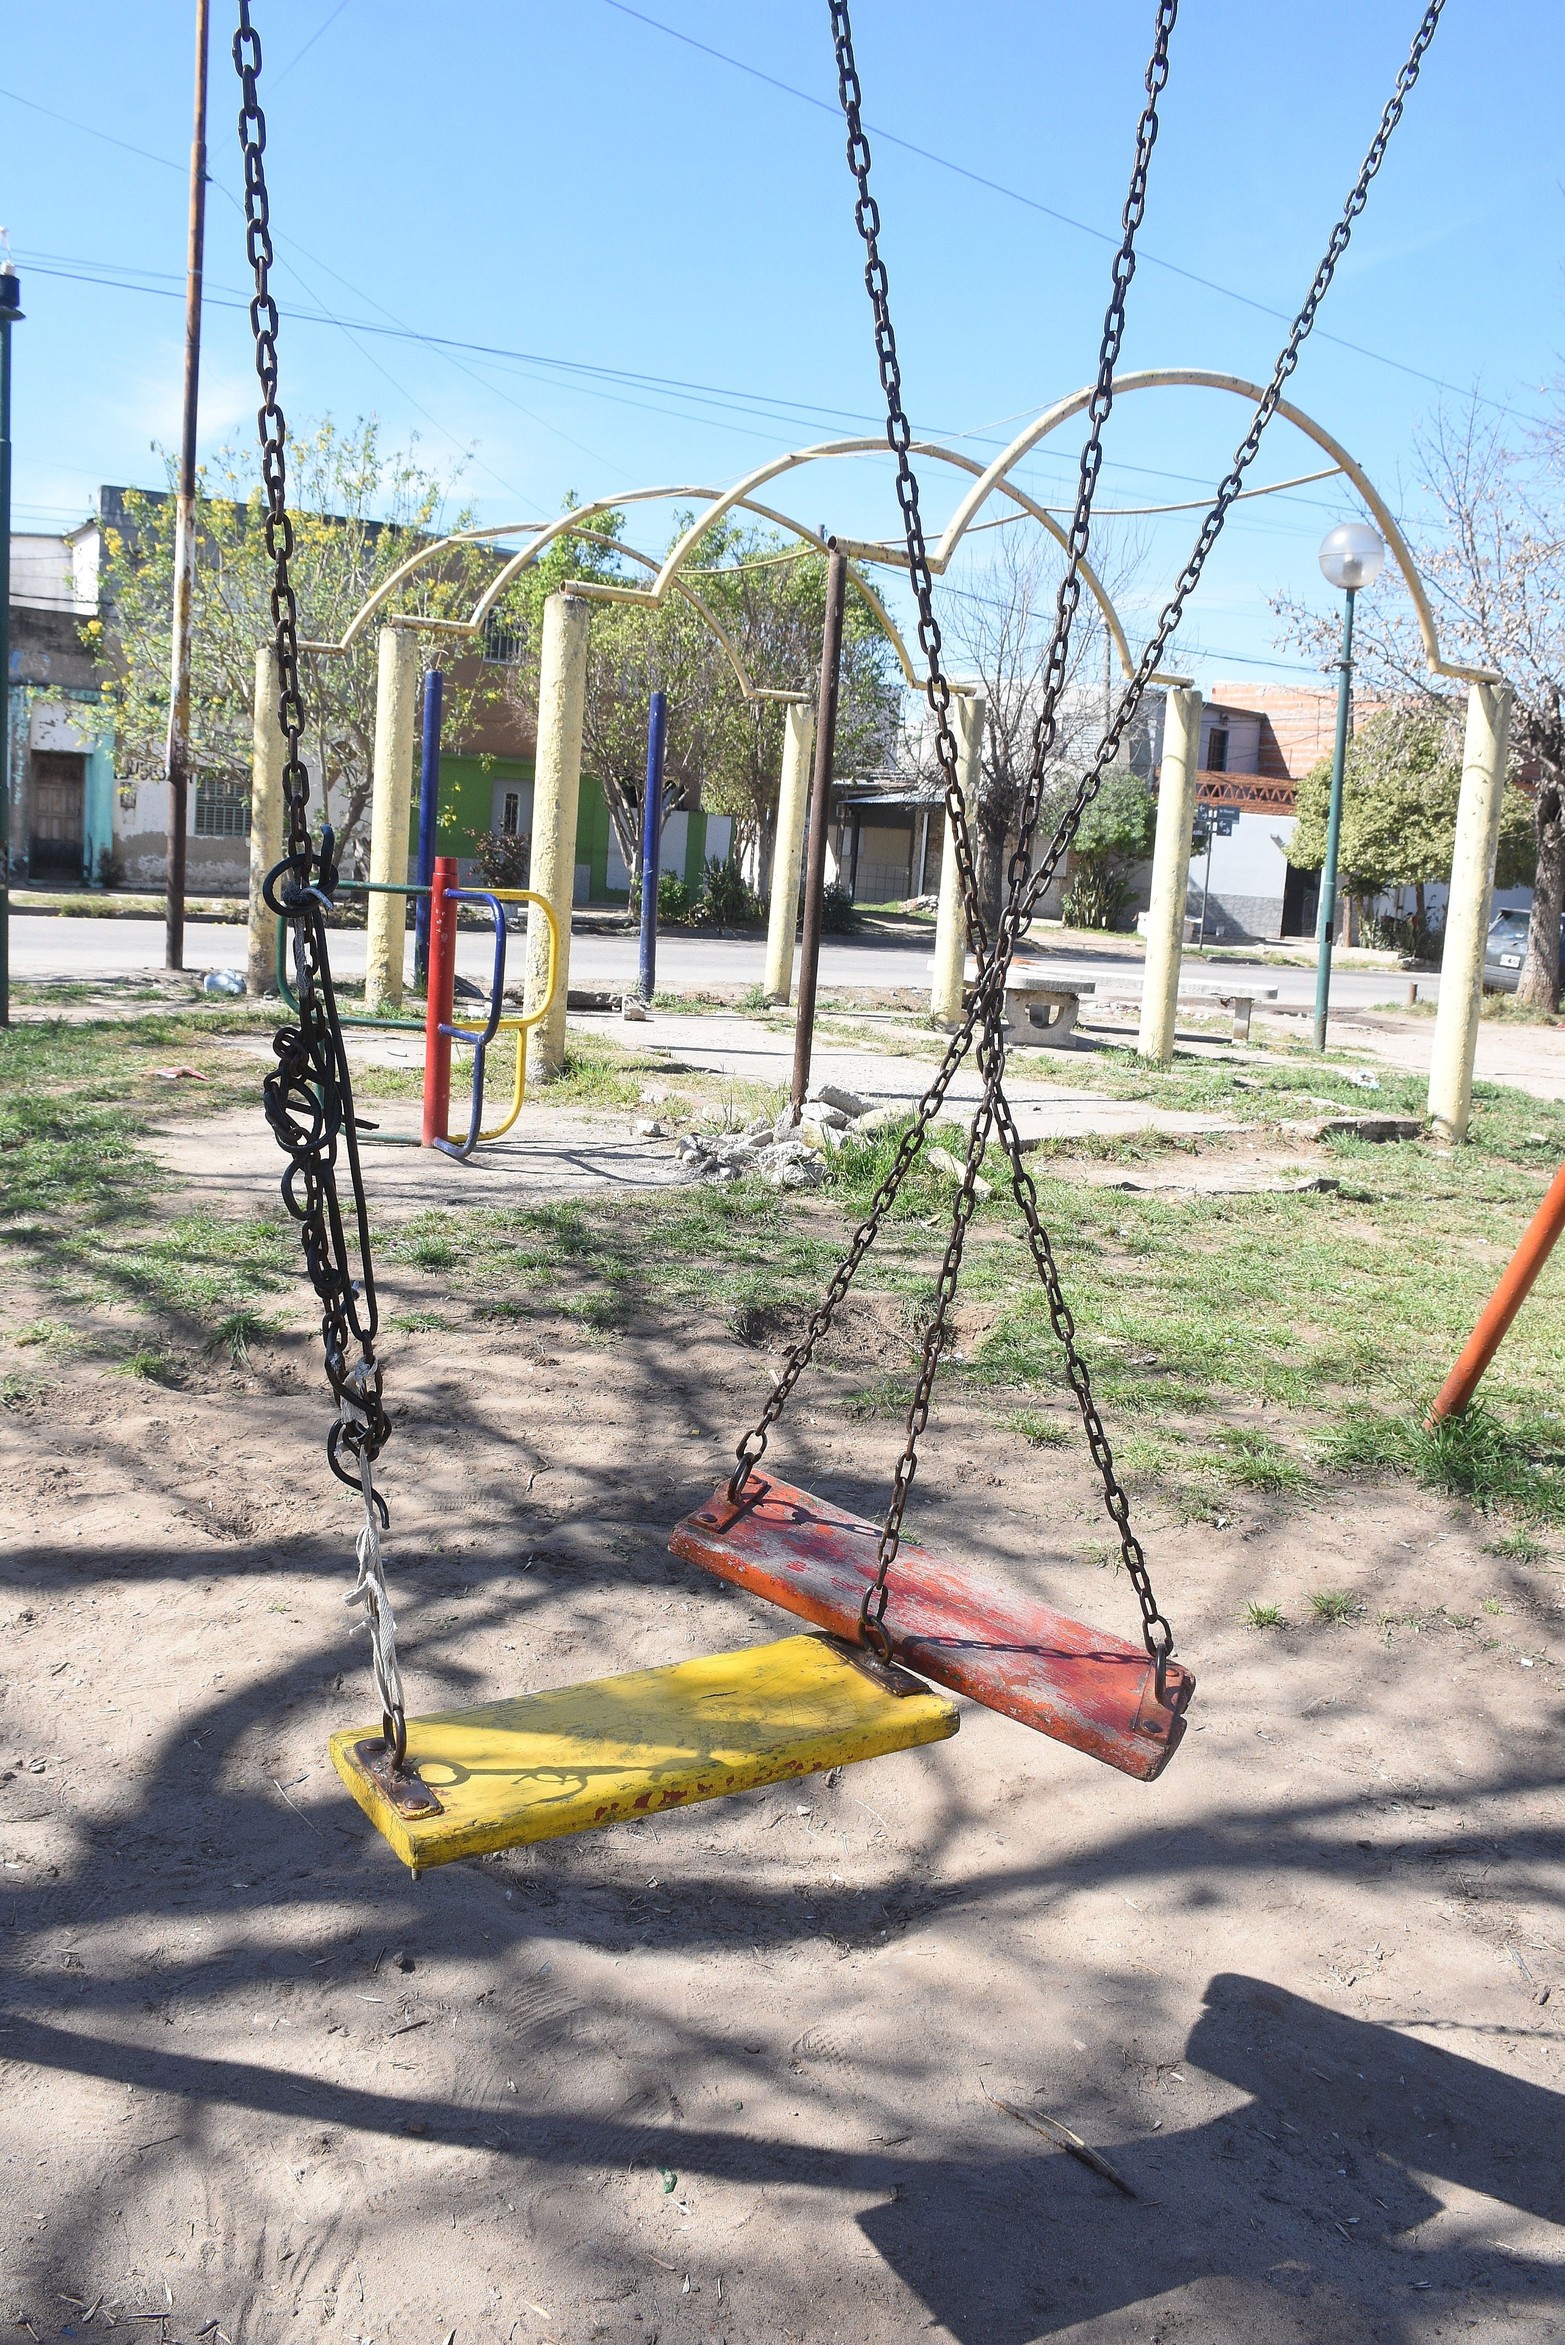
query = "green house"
x=479 y=794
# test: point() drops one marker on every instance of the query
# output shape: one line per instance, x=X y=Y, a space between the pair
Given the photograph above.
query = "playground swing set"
x=465 y=1782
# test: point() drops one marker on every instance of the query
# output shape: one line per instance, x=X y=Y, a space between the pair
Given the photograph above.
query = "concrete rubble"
x=789 y=1155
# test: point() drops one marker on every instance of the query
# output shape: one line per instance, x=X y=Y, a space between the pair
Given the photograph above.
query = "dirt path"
x=728 y=2074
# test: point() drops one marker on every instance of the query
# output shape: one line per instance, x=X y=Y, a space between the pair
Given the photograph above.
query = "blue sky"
x=563 y=181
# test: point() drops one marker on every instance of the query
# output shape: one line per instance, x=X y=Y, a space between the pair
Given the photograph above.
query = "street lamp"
x=10 y=311
x=1351 y=556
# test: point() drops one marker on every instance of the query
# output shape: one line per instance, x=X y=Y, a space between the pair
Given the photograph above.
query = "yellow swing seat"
x=578 y=1757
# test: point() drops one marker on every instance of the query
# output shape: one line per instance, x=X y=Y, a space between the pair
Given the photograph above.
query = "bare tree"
x=999 y=624
x=1494 y=566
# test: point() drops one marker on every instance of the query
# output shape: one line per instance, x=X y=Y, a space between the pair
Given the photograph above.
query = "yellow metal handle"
x=521 y=1025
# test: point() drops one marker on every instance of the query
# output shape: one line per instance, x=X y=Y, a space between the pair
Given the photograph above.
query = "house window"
x=222 y=810
x=511 y=813
x=503 y=640
x=1217 y=750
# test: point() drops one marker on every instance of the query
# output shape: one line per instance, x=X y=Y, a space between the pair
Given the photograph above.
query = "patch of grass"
x=238 y=1331
x=417 y=1322
x=1263 y=1616
x=1474 y=1456
x=151 y=1364
x=1332 y=1605
x=1492 y=1604
x=1039 y=1432
x=47 y=1334
x=1518 y=1547
x=1254 y=1461
x=882 y=1396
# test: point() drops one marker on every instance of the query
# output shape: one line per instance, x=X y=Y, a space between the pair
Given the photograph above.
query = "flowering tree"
x=1494 y=565
x=359 y=510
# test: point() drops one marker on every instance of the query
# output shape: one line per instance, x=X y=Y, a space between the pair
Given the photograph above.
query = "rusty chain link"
x=1026 y=888
x=1244 y=455
x=309 y=1095
x=991 y=1050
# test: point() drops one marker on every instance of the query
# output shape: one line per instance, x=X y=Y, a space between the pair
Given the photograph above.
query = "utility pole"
x=178 y=758
x=10 y=311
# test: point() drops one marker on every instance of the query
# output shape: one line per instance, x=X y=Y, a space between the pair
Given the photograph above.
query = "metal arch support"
x=1205 y=379
x=545 y=534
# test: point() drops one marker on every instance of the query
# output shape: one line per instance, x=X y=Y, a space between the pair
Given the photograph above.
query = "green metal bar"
x=358 y=887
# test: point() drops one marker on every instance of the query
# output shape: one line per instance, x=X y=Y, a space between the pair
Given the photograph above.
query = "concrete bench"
x=1041 y=1005
x=1240 y=999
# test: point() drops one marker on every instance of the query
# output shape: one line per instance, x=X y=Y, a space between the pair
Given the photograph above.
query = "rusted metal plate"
x=401 y=1786
x=1012 y=1654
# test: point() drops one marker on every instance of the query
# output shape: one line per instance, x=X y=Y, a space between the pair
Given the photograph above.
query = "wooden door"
x=59 y=790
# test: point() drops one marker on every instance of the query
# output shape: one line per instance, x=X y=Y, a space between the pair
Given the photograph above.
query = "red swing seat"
x=1097 y=1693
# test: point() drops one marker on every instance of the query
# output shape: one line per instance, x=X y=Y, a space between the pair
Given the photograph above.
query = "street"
x=51 y=947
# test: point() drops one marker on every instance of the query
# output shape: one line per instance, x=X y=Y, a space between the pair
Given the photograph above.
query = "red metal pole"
x=1508 y=1297
x=442 y=992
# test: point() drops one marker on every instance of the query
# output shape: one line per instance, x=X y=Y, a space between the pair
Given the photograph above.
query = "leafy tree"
x=1400 y=785
x=1494 y=564
x=720 y=750
x=359 y=511
x=770 y=594
x=1116 y=831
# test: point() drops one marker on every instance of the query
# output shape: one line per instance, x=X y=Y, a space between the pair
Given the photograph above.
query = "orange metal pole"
x=1503 y=1305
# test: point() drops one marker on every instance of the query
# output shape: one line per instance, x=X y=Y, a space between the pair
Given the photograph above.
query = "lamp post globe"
x=1352 y=555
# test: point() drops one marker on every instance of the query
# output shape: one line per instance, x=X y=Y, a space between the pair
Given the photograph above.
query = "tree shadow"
x=1293 y=2214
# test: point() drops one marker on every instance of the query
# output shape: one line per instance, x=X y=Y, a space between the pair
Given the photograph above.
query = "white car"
x=1506 y=950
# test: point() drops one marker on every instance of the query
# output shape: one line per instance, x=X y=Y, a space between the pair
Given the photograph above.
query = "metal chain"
x=899 y=435
x=1212 y=526
x=987 y=1003
x=309 y=1095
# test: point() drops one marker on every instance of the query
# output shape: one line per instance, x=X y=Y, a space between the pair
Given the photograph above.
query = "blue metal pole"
x=1328 y=878
x=428 y=816
x=651 y=844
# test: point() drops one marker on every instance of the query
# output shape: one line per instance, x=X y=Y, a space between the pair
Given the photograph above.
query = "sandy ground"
x=735 y=2073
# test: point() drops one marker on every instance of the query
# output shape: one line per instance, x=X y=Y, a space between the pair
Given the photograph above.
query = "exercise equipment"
x=440 y=1028
x=581 y=1756
x=616 y=1749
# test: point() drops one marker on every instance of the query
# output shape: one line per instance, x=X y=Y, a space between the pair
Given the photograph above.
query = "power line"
x=1049 y=212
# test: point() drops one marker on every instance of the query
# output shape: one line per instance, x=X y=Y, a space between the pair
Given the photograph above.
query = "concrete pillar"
x=969 y=710
x=1178 y=780
x=267 y=825
x=562 y=690
x=1467 y=913
x=793 y=798
x=391 y=801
